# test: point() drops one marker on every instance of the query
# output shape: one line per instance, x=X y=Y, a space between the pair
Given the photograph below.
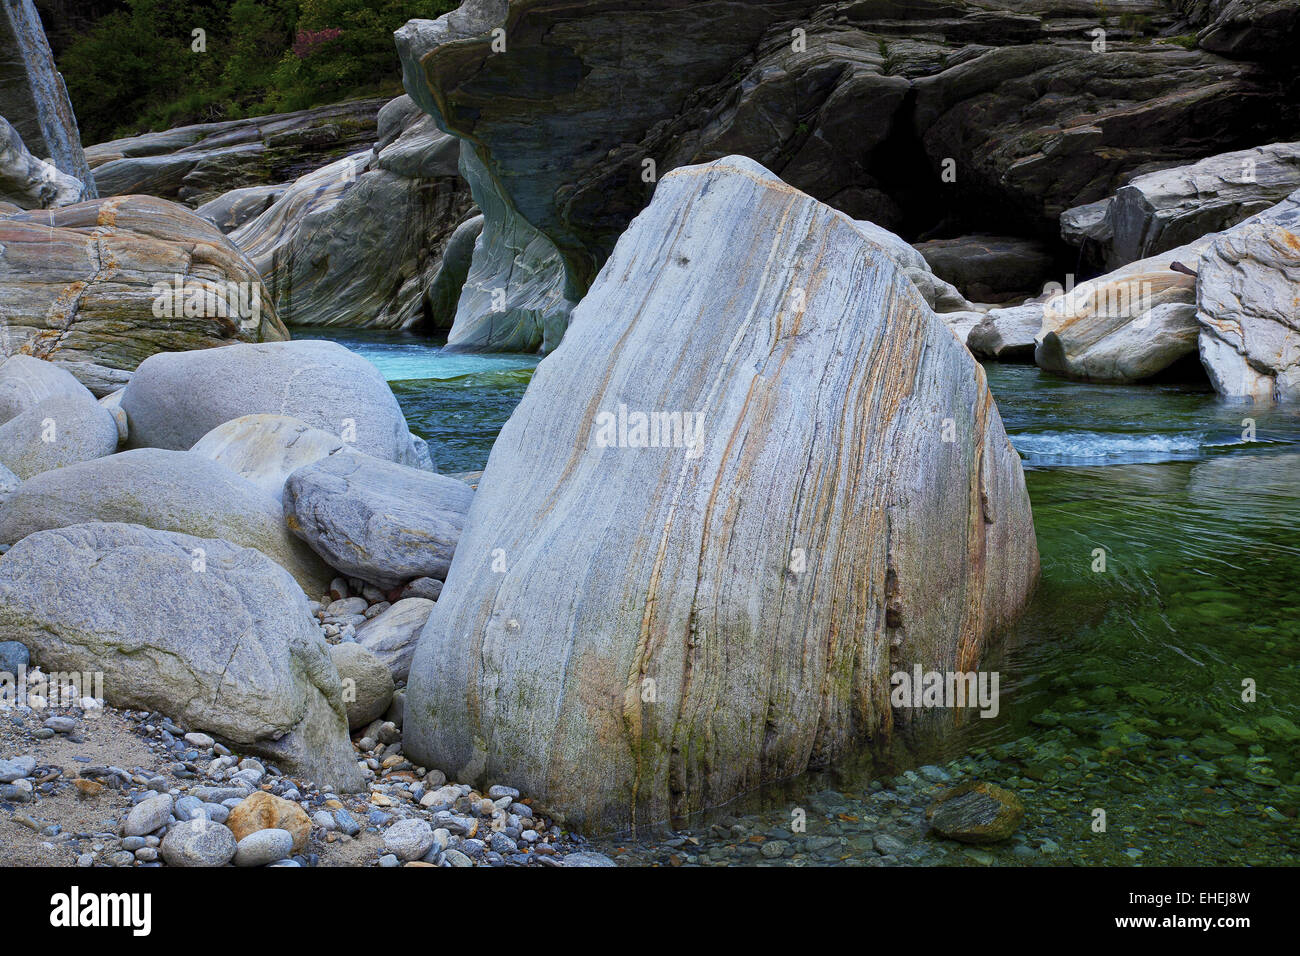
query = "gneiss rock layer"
x=643 y=621
x=358 y=242
x=865 y=106
x=1159 y=211
x=31 y=183
x=1248 y=306
x=101 y=285
x=196 y=164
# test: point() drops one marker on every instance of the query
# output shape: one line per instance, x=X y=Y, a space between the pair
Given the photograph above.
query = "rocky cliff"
x=919 y=116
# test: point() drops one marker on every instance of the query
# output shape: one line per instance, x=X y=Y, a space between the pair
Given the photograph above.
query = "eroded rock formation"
x=358 y=242
x=640 y=622
x=99 y=286
x=33 y=97
x=196 y=164
x=916 y=116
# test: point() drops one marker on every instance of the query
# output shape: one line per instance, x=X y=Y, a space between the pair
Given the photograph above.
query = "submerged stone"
x=976 y=812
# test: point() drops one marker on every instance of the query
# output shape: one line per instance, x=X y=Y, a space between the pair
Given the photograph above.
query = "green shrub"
x=136 y=69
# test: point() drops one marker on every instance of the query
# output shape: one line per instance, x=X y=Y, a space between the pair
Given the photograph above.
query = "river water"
x=1122 y=686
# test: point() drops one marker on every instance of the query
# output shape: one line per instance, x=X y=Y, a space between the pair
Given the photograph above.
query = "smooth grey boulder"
x=409 y=839
x=392 y=635
x=723 y=514
x=148 y=815
x=1168 y=208
x=1248 y=306
x=16 y=768
x=266 y=449
x=367 y=685
x=1007 y=334
x=262 y=847
x=27 y=381
x=175 y=398
x=376 y=520
x=1124 y=326
x=198 y=842
x=29 y=182
x=61 y=430
x=168 y=491
x=215 y=636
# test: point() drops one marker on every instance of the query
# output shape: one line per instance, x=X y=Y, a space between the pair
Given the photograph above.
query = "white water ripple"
x=1108 y=448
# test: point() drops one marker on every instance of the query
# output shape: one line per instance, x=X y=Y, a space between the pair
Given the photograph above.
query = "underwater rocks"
x=804 y=508
x=976 y=812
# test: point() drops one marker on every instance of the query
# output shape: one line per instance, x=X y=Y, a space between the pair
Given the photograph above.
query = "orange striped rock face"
x=758 y=478
x=112 y=281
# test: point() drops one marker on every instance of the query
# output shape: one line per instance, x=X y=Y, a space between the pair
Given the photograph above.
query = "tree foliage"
x=145 y=67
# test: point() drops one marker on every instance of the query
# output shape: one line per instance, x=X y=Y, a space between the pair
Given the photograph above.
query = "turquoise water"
x=1121 y=689
x=455 y=402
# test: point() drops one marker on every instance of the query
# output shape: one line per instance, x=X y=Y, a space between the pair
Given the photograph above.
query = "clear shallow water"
x=1120 y=690
x=455 y=402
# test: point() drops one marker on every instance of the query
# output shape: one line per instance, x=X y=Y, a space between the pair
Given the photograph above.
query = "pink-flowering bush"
x=308 y=42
